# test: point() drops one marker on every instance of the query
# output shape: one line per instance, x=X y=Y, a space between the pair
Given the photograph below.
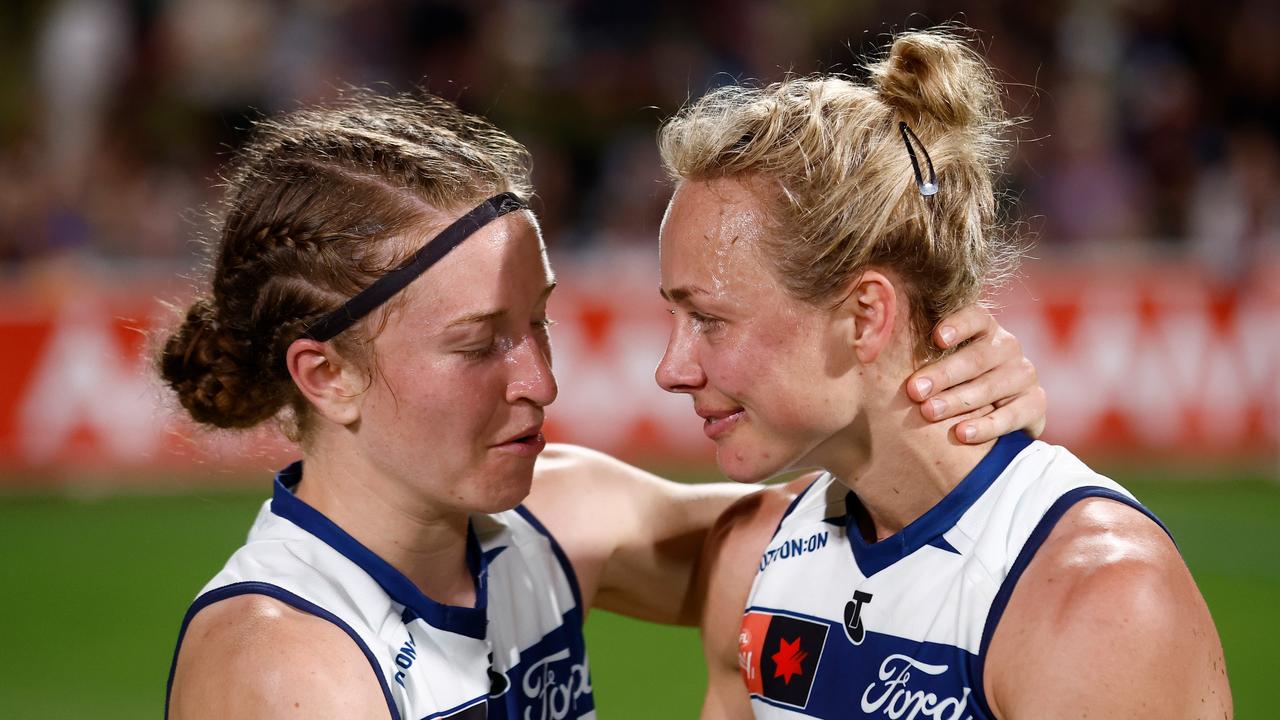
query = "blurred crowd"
x=1153 y=123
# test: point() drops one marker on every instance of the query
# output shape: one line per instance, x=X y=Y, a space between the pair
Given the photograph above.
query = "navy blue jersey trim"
x=777 y=704
x=457 y=708
x=284 y=596
x=469 y=621
x=794 y=502
x=559 y=553
x=871 y=558
x=941 y=543
x=1041 y=533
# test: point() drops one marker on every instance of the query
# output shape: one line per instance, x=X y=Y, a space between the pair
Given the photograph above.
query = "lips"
x=718 y=422
x=527 y=442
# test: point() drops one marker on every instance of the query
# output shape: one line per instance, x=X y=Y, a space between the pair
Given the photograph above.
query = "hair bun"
x=214 y=374
x=938 y=76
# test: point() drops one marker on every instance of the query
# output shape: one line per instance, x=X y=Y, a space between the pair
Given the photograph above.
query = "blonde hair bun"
x=935 y=75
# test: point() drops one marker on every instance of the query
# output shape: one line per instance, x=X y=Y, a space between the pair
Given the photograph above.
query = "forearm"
x=652 y=578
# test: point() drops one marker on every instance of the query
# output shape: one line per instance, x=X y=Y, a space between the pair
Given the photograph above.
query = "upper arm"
x=725 y=575
x=633 y=538
x=1107 y=622
x=254 y=657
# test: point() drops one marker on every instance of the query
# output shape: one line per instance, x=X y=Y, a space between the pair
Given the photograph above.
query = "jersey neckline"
x=468 y=621
x=927 y=529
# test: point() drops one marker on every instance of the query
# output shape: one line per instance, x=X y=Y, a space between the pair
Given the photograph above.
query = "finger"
x=963 y=365
x=1025 y=412
x=996 y=387
x=970 y=321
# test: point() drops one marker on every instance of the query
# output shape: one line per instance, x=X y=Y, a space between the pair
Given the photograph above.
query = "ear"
x=332 y=385
x=871 y=306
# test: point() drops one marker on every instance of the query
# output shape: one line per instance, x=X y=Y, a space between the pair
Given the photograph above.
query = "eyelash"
x=491 y=349
x=706 y=323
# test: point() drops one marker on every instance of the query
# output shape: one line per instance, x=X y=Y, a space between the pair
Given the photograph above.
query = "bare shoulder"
x=1107 y=621
x=560 y=461
x=728 y=567
x=571 y=473
x=730 y=558
x=252 y=656
x=746 y=526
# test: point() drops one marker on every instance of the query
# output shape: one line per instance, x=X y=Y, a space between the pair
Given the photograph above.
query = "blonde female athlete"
x=381 y=287
x=819 y=229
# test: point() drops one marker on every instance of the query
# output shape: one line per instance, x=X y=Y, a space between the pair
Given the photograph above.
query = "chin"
x=748 y=466
x=504 y=491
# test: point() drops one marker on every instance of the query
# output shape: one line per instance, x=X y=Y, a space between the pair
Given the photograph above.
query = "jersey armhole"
x=565 y=565
x=278 y=593
x=1037 y=537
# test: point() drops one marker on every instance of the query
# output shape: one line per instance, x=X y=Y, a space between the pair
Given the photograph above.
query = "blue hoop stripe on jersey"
x=1041 y=533
x=284 y=596
x=845 y=657
x=871 y=558
x=559 y=553
x=457 y=708
x=469 y=621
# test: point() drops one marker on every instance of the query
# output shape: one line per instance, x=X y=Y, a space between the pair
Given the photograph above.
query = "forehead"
x=712 y=235
x=497 y=266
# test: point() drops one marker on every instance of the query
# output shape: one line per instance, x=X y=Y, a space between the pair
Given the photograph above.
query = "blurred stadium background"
x=1146 y=178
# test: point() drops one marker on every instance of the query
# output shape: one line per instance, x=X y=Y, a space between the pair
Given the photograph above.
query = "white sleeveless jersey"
x=519 y=653
x=840 y=628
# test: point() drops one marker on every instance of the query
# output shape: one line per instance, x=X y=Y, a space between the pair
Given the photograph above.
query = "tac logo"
x=853 y=627
x=779 y=655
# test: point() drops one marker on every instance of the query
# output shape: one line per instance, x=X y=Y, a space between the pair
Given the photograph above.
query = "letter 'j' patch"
x=778 y=656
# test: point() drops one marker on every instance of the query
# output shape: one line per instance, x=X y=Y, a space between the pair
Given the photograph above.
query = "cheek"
x=445 y=398
x=782 y=377
x=759 y=362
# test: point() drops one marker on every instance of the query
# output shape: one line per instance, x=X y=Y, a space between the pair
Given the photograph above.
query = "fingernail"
x=923 y=386
x=938 y=407
x=970 y=432
x=947 y=333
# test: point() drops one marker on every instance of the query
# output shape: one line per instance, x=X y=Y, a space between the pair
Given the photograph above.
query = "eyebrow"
x=489 y=316
x=680 y=294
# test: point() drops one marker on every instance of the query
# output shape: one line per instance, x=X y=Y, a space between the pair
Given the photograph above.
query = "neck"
x=426 y=544
x=898 y=464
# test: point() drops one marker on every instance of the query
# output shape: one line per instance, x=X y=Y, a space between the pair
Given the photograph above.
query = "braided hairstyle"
x=314 y=205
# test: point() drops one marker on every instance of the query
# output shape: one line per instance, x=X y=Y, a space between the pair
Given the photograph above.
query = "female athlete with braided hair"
x=819 y=229
x=381 y=289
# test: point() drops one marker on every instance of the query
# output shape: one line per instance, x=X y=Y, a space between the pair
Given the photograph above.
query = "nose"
x=531 y=377
x=679 y=370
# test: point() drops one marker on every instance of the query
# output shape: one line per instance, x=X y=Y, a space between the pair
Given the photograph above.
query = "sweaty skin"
x=1130 y=633
x=1106 y=621
x=634 y=540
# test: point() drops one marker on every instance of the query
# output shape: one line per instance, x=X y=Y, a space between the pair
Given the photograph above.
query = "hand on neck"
x=899 y=464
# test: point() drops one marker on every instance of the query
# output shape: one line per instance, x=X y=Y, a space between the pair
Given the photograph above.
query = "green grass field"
x=92 y=592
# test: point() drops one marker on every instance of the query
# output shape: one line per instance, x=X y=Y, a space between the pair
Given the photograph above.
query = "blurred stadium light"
x=1145 y=178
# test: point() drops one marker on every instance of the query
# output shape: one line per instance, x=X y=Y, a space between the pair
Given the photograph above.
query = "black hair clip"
x=926 y=188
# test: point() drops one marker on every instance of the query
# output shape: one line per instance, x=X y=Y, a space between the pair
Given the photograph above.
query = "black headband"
x=382 y=289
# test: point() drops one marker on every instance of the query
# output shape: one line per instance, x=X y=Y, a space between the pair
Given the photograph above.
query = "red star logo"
x=788 y=659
